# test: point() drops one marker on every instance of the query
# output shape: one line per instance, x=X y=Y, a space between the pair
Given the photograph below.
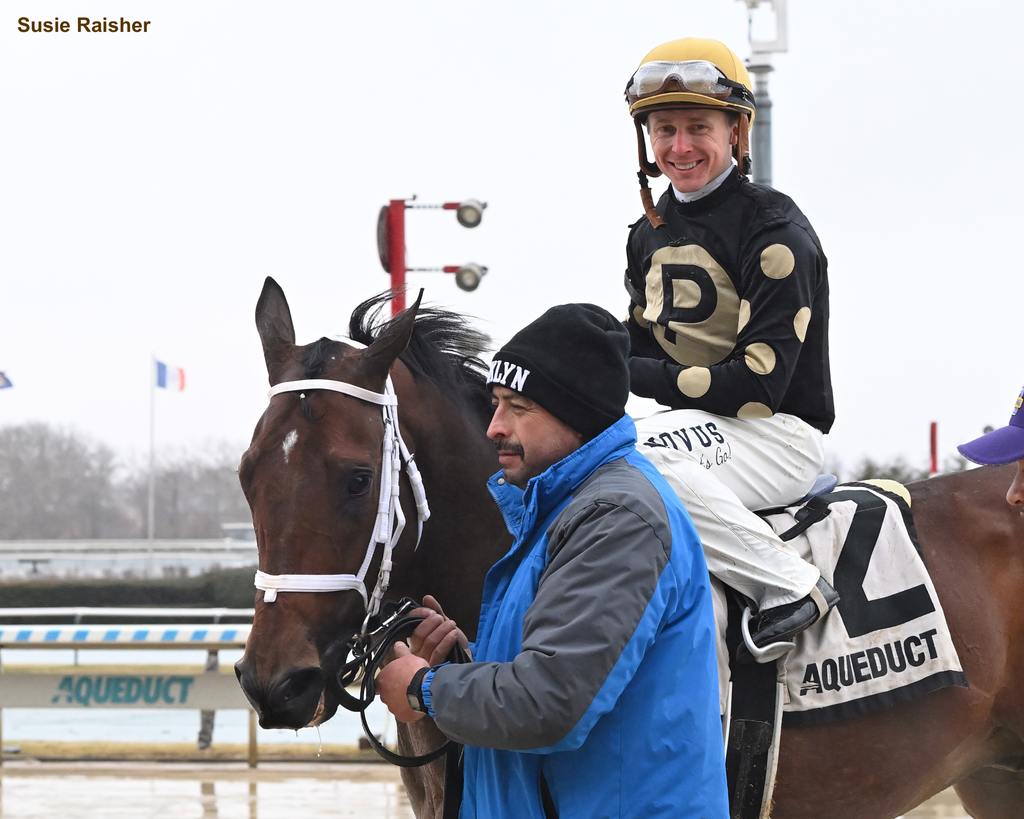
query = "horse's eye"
x=359 y=482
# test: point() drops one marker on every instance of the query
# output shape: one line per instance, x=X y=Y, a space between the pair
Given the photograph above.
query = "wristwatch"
x=415 y=691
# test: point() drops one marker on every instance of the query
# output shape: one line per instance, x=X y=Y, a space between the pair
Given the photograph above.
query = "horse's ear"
x=274 y=323
x=380 y=355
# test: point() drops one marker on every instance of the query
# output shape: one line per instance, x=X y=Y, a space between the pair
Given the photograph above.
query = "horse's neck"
x=971 y=541
x=956 y=500
x=465 y=533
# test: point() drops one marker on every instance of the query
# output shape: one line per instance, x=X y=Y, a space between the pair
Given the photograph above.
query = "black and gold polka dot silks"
x=730 y=297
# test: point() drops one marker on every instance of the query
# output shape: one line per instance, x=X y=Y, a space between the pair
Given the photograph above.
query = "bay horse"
x=310 y=476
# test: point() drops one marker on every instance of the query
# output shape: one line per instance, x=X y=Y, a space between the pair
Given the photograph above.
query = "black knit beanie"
x=573 y=362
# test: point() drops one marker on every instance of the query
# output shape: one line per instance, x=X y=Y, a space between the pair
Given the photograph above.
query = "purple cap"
x=1000 y=446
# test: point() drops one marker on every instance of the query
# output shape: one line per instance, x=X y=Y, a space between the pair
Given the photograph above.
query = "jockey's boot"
x=781 y=623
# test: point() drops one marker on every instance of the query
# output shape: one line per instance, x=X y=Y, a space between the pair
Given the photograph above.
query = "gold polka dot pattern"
x=753 y=410
x=760 y=358
x=694 y=382
x=800 y=322
x=777 y=261
x=744 y=315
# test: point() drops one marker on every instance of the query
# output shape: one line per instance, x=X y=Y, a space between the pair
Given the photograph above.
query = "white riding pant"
x=721 y=468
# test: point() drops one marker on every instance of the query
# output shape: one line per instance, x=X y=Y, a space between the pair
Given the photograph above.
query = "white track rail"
x=76 y=614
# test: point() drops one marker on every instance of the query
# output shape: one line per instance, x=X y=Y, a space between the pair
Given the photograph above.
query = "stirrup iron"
x=770 y=653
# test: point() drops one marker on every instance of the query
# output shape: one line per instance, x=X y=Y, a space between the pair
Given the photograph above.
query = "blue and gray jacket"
x=595 y=655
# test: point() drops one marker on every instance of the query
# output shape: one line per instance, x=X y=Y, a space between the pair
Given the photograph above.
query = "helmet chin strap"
x=743 y=144
x=648 y=202
x=390 y=520
x=647 y=169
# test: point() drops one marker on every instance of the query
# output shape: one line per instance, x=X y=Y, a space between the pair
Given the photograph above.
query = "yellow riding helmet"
x=689 y=73
x=669 y=84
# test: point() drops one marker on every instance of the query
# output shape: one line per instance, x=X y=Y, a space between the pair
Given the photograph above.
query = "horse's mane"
x=444 y=348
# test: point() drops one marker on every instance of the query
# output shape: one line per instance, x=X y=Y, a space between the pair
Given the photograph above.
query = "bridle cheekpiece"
x=390 y=521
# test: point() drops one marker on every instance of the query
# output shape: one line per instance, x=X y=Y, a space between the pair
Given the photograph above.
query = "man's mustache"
x=507 y=446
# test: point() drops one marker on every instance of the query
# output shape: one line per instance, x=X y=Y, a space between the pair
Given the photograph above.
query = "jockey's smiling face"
x=1015 y=494
x=691 y=145
x=528 y=437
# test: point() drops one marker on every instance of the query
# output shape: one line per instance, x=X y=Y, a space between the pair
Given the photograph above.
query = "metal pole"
x=207 y=717
x=396 y=254
x=762 y=136
x=760 y=65
x=253 y=748
x=1 y=722
x=934 y=446
x=152 y=448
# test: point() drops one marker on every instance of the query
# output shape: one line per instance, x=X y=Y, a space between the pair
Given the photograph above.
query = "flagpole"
x=152 y=448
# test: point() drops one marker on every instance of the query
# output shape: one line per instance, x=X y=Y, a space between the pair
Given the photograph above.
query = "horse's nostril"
x=299 y=683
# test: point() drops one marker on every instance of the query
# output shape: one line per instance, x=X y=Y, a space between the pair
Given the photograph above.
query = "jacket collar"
x=700 y=193
x=725 y=189
x=546 y=492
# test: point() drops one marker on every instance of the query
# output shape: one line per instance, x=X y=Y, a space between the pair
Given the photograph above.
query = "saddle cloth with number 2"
x=887 y=641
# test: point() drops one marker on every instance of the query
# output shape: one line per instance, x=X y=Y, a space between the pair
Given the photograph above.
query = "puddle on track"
x=225 y=791
x=30 y=790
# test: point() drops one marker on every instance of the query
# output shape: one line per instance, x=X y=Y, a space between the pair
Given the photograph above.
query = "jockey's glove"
x=654 y=378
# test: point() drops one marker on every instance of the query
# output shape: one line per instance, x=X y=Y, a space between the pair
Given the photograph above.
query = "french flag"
x=169 y=378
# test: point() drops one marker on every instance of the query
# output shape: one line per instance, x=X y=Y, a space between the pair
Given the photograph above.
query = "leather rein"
x=368 y=652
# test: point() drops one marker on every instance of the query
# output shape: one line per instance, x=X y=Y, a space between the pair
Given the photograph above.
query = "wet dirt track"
x=182 y=791
x=30 y=790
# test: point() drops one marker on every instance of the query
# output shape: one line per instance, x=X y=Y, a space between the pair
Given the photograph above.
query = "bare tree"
x=899 y=470
x=56 y=483
x=194 y=494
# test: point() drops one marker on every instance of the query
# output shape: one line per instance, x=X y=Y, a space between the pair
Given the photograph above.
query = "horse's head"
x=312 y=476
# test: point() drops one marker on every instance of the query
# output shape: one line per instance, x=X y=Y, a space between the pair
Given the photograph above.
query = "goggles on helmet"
x=697 y=76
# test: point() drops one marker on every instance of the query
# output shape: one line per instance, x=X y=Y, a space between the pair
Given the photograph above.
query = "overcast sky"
x=151 y=181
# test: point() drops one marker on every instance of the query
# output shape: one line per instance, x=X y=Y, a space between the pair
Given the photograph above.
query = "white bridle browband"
x=390 y=520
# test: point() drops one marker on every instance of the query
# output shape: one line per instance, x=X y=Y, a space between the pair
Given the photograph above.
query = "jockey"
x=728 y=324
x=1003 y=446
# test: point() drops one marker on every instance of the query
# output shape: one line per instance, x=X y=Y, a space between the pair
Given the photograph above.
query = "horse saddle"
x=886 y=642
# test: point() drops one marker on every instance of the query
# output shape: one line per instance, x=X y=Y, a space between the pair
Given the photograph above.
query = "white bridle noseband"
x=390 y=520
